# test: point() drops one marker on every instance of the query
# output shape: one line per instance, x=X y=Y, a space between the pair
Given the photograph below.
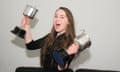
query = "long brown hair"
x=69 y=34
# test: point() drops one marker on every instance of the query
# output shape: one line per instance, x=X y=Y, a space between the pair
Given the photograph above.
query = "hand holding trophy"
x=61 y=56
x=29 y=12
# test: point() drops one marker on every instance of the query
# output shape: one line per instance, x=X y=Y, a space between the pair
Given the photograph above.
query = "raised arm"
x=30 y=43
x=26 y=26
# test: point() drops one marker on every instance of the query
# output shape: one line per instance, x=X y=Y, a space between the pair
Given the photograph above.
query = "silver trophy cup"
x=29 y=11
x=83 y=40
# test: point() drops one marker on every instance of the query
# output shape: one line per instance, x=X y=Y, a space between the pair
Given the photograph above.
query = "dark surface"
x=38 y=69
x=94 y=70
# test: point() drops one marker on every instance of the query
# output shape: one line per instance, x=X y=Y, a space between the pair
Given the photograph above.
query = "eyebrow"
x=60 y=15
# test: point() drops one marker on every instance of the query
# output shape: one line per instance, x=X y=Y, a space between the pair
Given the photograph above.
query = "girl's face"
x=60 y=21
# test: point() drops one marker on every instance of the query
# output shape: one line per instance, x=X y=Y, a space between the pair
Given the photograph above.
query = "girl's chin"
x=58 y=30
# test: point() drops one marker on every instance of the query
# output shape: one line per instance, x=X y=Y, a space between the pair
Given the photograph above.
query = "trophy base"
x=19 y=32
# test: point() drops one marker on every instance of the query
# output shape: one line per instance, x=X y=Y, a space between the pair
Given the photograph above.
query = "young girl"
x=61 y=37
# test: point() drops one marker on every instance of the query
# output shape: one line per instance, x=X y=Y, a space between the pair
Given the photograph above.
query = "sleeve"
x=61 y=57
x=36 y=44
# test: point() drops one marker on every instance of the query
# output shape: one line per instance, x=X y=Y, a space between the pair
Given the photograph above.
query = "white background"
x=100 y=19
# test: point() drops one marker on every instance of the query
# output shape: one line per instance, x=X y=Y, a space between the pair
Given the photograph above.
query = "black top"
x=37 y=44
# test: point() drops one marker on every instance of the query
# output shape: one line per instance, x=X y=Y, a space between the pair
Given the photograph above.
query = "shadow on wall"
x=21 y=43
x=80 y=58
x=18 y=42
x=33 y=22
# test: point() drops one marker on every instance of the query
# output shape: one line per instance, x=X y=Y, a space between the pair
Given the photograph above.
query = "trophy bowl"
x=30 y=11
x=83 y=40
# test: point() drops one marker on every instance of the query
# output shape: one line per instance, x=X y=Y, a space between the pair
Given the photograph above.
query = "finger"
x=59 y=68
x=23 y=22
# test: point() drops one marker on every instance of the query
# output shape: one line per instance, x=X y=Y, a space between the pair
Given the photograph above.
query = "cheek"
x=54 y=22
x=65 y=23
x=64 y=26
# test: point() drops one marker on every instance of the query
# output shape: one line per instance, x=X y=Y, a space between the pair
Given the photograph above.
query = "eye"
x=62 y=17
x=55 y=16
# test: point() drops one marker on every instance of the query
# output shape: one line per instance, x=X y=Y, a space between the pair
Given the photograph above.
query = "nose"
x=57 y=18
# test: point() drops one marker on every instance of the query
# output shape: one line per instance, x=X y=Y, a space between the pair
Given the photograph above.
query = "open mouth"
x=57 y=24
